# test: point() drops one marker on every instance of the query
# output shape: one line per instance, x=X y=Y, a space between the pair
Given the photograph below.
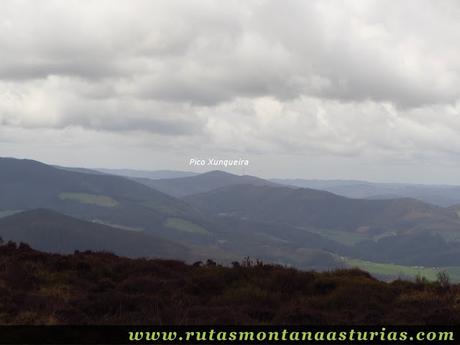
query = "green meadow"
x=184 y=225
x=395 y=271
x=92 y=199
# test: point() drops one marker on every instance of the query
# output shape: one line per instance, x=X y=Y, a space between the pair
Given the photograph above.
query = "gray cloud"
x=204 y=53
x=348 y=79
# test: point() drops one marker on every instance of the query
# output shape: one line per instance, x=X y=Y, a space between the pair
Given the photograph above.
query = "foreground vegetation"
x=101 y=288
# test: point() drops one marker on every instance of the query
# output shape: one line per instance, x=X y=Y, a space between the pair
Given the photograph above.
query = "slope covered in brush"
x=100 y=288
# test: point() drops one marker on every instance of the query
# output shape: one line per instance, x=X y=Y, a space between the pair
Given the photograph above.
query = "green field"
x=158 y=206
x=184 y=225
x=92 y=199
x=344 y=237
x=392 y=270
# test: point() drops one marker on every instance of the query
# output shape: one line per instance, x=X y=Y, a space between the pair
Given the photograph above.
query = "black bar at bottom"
x=229 y=334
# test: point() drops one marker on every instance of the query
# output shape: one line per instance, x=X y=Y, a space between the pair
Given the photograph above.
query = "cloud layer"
x=340 y=78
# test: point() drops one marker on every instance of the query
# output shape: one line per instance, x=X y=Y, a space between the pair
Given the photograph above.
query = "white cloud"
x=338 y=78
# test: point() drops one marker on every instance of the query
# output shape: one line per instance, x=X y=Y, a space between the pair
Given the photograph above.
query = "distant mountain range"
x=441 y=195
x=220 y=216
x=157 y=174
x=180 y=187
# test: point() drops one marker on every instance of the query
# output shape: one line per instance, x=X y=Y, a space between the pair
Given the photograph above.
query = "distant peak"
x=11 y=160
x=218 y=173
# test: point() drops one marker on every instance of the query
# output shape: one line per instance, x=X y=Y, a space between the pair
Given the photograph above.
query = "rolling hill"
x=323 y=210
x=114 y=200
x=52 y=232
x=180 y=187
x=399 y=231
x=128 y=205
x=235 y=216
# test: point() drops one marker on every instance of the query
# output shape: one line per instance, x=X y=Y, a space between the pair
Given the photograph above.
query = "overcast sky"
x=315 y=89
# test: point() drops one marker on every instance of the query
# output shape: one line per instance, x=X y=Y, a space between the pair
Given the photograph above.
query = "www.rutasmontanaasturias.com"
x=219 y=162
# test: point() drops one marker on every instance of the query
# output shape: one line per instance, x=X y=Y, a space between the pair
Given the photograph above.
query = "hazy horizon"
x=231 y=170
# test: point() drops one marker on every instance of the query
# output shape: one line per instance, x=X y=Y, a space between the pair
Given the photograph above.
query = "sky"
x=309 y=89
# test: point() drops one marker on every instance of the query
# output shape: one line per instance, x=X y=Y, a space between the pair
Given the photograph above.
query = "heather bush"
x=100 y=288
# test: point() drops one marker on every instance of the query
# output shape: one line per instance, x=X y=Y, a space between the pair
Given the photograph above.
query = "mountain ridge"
x=310 y=207
x=28 y=184
x=440 y=195
x=181 y=187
